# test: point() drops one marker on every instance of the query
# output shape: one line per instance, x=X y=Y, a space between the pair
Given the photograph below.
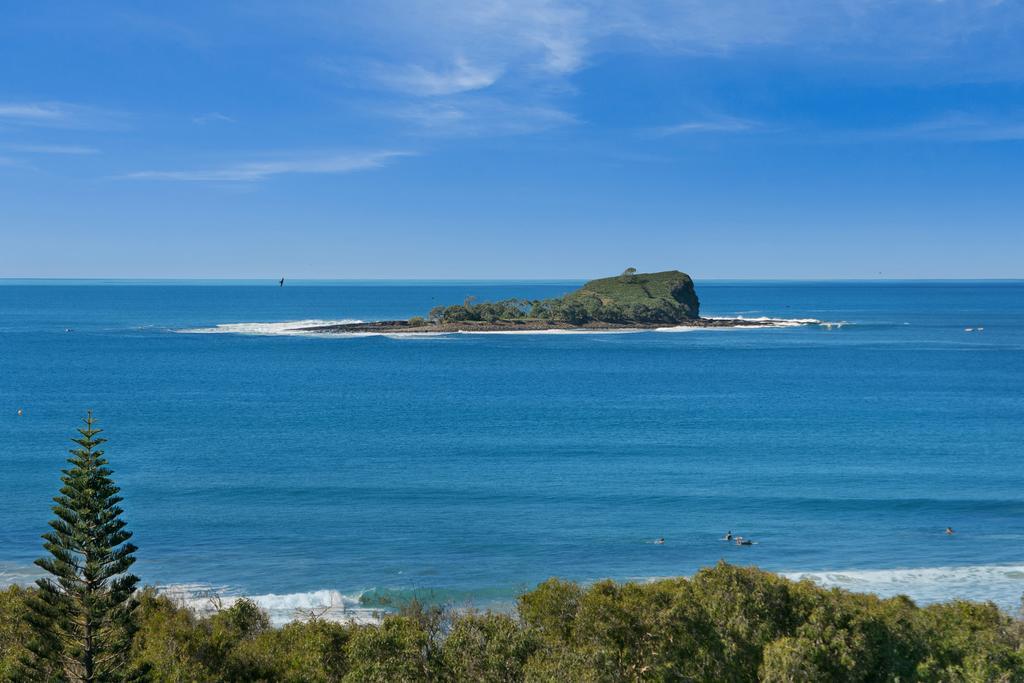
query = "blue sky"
x=519 y=139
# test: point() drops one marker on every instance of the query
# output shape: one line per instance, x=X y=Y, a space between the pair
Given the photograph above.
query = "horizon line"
x=275 y=280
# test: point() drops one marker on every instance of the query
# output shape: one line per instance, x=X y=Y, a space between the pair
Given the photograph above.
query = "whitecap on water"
x=298 y=328
x=1002 y=584
x=766 y=323
x=291 y=327
x=330 y=605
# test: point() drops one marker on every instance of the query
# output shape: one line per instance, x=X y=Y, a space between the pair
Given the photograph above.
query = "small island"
x=630 y=301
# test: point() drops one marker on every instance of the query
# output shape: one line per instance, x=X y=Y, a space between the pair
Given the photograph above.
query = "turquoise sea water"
x=467 y=468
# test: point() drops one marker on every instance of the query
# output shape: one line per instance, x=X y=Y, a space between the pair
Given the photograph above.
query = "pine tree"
x=82 y=616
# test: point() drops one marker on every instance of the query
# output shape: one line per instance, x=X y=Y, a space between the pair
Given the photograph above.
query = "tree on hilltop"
x=81 y=615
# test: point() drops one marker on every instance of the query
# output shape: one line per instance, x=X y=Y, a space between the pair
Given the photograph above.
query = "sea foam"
x=298 y=328
x=291 y=327
x=1002 y=584
x=330 y=605
x=779 y=322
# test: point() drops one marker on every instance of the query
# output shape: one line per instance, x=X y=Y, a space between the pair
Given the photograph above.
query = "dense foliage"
x=80 y=616
x=727 y=623
x=485 y=311
x=659 y=298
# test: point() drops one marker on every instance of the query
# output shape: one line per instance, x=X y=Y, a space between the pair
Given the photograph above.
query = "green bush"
x=172 y=644
x=393 y=651
x=551 y=609
x=300 y=652
x=727 y=623
x=14 y=630
x=489 y=648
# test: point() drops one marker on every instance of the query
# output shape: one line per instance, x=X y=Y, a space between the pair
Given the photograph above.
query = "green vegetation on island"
x=726 y=623
x=631 y=298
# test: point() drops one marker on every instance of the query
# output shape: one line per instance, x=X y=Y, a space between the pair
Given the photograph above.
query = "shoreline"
x=533 y=325
x=925 y=585
x=1000 y=584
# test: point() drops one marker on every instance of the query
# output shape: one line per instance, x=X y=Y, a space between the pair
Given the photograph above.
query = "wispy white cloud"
x=212 y=117
x=715 y=125
x=439 y=55
x=549 y=35
x=461 y=76
x=903 y=33
x=34 y=112
x=954 y=126
x=496 y=67
x=58 y=115
x=74 y=150
x=255 y=171
x=961 y=127
x=473 y=116
x=562 y=36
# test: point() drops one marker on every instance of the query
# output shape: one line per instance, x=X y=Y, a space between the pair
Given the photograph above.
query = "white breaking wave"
x=330 y=605
x=770 y=323
x=296 y=328
x=19 y=575
x=1002 y=584
x=291 y=327
x=773 y=322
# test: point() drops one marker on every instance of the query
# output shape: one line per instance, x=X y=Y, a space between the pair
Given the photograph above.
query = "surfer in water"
x=281 y=283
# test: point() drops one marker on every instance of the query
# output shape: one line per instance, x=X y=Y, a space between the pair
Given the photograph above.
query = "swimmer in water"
x=728 y=536
x=660 y=541
x=949 y=531
x=20 y=413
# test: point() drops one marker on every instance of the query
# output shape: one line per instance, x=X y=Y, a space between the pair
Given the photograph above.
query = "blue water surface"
x=473 y=466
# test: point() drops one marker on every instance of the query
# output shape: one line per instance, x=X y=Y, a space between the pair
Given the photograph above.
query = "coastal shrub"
x=488 y=648
x=300 y=652
x=435 y=621
x=634 y=632
x=969 y=641
x=746 y=609
x=14 y=630
x=243 y=620
x=417 y=321
x=551 y=609
x=846 y=637
x=172 y=643
x=555 y=663
x=726 y=623
x=396 y=650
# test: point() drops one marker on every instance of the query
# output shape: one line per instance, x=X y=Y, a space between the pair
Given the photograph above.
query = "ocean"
x=463 y=469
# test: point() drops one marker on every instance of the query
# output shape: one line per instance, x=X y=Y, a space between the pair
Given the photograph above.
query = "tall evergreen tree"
x=81 y=616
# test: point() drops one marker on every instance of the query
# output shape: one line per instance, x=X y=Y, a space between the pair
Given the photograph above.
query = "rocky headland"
x=631 y=301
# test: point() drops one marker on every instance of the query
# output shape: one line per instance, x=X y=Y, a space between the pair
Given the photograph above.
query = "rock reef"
x=631 y=301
